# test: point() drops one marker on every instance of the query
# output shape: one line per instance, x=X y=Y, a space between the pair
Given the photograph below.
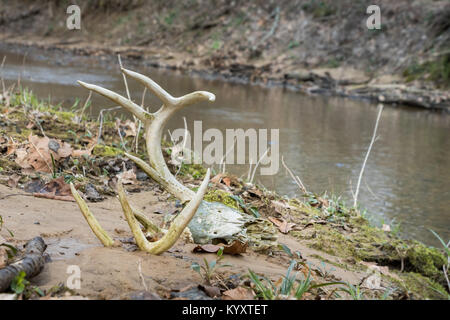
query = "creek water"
x=323 y=139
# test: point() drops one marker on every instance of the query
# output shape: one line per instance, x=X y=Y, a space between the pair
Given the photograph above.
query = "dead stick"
x=32 y=264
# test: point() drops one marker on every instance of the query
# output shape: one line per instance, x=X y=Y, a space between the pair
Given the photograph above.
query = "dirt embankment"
x=313 y=46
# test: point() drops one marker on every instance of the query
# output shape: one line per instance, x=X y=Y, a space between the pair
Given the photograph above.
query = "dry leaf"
x=13 y=180
x=209 y=248
x=210 y=291
x=87 y=152
x=65 y=150
x=239 y=293
x=279 y=206
x=236 y=247
x=283 y=226
x=217 y=178
x=128 y=127
x=255 y=192
x=128 y=177
x=227 y=181
x=38 y=155
x=56 y=189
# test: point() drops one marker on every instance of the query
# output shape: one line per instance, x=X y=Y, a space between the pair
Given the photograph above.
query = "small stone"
x=92 y=193
x=141 y=176
x=53 y=145
x=192 y=294
x=144 y=295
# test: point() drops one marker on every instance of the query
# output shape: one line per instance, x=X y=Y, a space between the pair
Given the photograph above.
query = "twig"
x=444 y=268
x=100 y=119
x=86 y=104
x=121 y=139
x=124 y=78
x=141 y=275
x=23 y=66
x=184 y=144
x=272 y=30
x=380 y=108
x=222 y=162
x=294 y=177
x=139 y=121
x=1 y=74
x=257 y=164
x=249 y=170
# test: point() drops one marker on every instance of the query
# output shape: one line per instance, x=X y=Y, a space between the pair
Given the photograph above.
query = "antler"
x=153 y=128
x=157 y=169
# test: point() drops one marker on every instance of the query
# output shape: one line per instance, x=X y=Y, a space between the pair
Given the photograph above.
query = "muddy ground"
x=324 y=238
x=318 y=47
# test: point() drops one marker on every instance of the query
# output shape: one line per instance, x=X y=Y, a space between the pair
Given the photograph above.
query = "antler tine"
x=167 y=99
x=162 y=94
x=139 y=112
x=182 y=193
x=101 y=234
x=175 y=229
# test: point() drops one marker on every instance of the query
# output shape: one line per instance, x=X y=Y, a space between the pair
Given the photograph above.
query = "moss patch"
x=222 y=197
x=427 y=261
x=106 y=151
x=420 y=287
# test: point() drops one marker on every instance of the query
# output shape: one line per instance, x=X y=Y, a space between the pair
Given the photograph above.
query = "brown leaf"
x=217 y=178
x=128 y=127
x=255 y=192
x=239 y=293
x=87 y=152
x=283 y=226
x=65 y=150
x=128 y=177
x=210 y=291
x=236 y=247
x=22 y=158
x=11 y=147
x=13 y=180
x=279 y=206
x=227 y=181
x=57 y=187
x=209 y=248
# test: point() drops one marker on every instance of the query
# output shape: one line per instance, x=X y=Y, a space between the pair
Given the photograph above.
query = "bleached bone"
x=157 y=169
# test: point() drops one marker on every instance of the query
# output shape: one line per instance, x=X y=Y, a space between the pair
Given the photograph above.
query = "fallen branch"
x=32 y=264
